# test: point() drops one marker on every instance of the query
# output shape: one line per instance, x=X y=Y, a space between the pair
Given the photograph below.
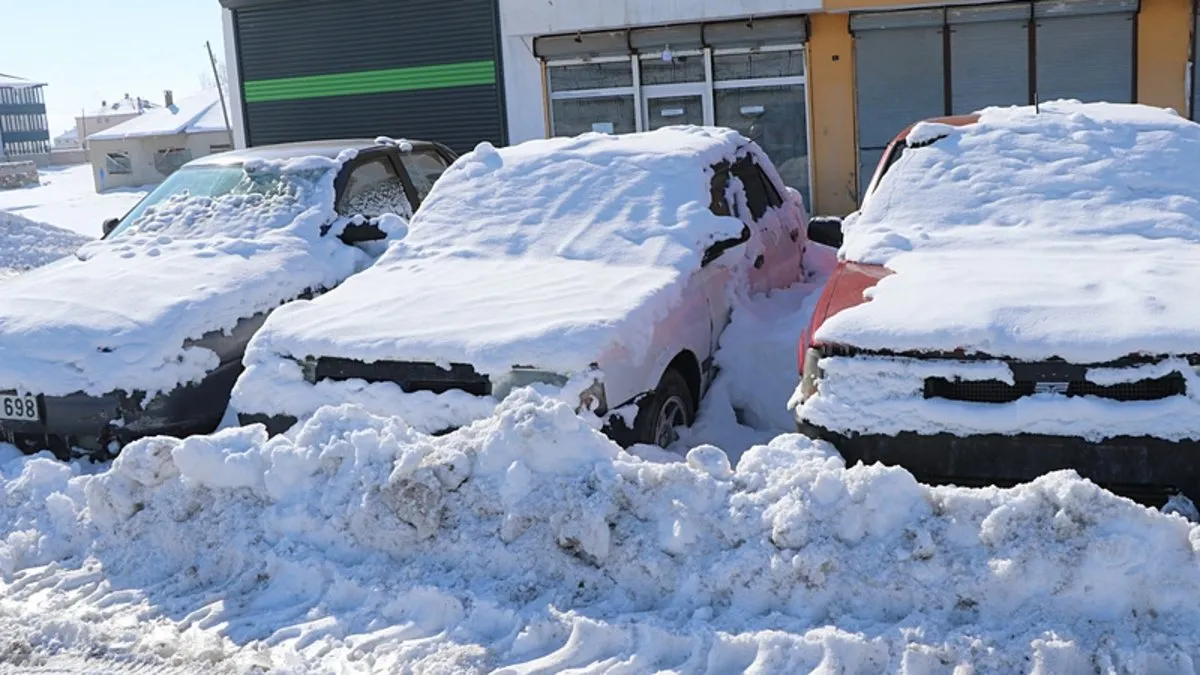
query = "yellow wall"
x=831 y=110
x=1162 y=53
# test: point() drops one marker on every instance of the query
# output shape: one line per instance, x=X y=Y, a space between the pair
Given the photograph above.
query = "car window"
x=424 y=168
x=760 y=192
x=718 y=187
x=373 y=189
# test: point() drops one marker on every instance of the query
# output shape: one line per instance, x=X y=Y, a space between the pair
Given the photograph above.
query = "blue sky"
x=88 y=51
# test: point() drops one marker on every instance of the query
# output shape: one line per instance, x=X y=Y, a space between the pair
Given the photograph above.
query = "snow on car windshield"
x=189 y=199
x=1072 y=231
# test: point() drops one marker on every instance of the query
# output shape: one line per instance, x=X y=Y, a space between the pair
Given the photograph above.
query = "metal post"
x=220 y=90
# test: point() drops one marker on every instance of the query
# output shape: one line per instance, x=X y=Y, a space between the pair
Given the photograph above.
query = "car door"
x=775 y=248
x=713 y=280
x=423 y=166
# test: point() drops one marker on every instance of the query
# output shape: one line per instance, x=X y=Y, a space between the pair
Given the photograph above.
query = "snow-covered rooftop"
x=195 y=114
x=14 y=82
x=123 y=106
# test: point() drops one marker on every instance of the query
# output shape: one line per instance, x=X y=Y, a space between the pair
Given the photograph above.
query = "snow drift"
x=1070 y=232
x=26 y=244
x=528 y=542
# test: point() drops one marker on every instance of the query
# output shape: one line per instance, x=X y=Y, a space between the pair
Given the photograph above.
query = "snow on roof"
x=123 y=106
x=14 y=82
x=194 y=114
x=1071 y=232
x=552 y=251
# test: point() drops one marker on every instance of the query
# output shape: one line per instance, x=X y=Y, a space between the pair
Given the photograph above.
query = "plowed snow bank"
x=528 y=542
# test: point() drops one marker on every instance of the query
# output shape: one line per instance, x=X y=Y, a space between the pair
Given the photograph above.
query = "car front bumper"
x=94 y=423
x=1142 y=468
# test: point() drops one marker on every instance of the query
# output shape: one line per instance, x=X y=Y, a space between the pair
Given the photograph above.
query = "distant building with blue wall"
x=24 y=128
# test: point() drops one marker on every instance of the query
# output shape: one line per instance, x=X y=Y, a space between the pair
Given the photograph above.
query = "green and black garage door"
x=914 y=64
x=313 y=69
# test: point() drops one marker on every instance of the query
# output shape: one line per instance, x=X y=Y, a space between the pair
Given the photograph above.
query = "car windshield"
x=216 y=181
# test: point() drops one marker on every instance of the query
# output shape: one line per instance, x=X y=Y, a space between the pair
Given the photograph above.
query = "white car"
x=600 y=268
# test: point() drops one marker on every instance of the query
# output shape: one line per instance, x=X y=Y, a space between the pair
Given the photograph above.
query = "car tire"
x=670 y=406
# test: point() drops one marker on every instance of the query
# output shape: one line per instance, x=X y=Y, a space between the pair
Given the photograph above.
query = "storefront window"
x=758 y=65
x=611 y=115
x=680 y=69
x=773 y=117
x=591 y=76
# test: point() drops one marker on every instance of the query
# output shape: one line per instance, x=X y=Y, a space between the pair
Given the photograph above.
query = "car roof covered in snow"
x=330 y=148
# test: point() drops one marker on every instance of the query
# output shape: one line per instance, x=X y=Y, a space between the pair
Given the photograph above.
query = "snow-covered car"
x=602 y=267
x=143 y=331
x=1016 y=295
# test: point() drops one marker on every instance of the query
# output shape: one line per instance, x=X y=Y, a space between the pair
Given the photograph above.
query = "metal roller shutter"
x=353 y=68
x=899 y=76
x=1085 y=50
x=989 y=56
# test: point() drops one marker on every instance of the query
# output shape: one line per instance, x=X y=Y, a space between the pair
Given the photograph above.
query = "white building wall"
x=523 y=20
x=237 y=115
x=141 y=156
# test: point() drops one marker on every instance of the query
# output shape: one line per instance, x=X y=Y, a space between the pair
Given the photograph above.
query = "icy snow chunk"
x=924 y=133
x=401 y=144
x=710 y=460
x=225 y=459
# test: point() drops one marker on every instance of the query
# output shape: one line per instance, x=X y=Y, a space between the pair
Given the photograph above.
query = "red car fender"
x=846 y=288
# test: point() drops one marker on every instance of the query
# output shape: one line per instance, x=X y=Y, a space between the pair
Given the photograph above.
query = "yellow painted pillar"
x=832 y=114
x=1163 y=34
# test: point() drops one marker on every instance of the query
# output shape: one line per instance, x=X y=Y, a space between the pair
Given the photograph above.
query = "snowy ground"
x=67 y=198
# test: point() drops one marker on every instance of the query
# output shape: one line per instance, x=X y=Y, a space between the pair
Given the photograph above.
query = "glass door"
x=673 y=104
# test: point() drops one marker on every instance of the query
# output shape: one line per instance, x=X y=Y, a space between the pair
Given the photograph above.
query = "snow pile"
x=199 y=113
x=529 y=542
x=25 y=244
x=117 y=315
x=1073 y=232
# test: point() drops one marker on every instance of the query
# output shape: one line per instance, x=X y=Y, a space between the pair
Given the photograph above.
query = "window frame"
x=108 y=163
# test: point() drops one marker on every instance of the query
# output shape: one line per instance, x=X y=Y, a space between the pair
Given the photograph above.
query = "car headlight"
x=811 y=373
x=503 y=385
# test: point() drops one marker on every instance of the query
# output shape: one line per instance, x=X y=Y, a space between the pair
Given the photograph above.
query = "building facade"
x=112 y=113
x=24 y=128
x=822 y=85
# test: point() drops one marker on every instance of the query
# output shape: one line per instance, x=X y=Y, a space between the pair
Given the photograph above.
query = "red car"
x=1014 y=297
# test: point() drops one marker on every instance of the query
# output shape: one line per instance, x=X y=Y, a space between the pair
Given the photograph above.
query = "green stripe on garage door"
x=372 y=82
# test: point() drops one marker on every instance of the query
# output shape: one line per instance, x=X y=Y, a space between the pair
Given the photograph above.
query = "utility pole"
x=220 y=90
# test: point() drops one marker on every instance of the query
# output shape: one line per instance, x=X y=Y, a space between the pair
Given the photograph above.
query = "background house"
x=24 y=130
x=110 y=114
x=151 y=146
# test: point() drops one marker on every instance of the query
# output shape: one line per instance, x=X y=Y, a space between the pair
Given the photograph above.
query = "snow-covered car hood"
x=554 y=314
x=119 y=318
x=1090 y=304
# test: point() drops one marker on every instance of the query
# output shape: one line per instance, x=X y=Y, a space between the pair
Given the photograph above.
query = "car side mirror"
x=357 y=233
x=826 y=230
x=713 y=252
x=109 y=225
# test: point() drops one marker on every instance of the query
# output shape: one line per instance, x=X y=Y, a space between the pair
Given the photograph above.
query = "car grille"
x=411 y=376
x=995 y=391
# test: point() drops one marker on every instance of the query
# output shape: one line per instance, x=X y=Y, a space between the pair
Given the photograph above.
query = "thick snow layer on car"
x=117 y=314
x=530 y=543
x=544 y=254
x=25 y=244
x=1070 y=232
x=884 y=395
